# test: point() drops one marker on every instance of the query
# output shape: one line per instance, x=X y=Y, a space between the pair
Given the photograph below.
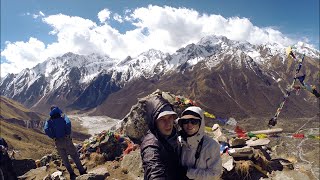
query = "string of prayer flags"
x=273 y=120
x=185 y=102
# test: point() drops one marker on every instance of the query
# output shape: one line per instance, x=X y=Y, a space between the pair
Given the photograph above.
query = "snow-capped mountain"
x=79 y=81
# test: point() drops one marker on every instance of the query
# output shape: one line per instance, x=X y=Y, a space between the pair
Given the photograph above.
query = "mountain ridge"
x=86 y=82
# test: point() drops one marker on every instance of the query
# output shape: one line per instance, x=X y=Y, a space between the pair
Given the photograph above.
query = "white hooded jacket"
x=208 y=165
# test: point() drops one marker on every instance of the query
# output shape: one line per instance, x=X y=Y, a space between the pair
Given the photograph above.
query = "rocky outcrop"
x=132 y=162
x=134 y=124
x=245 y=155
x=22 y=166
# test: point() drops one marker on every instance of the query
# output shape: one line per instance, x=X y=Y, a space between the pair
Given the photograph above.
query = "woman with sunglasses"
x=200 y=154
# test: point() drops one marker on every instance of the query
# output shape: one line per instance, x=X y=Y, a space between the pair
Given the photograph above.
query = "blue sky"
x=33 y=30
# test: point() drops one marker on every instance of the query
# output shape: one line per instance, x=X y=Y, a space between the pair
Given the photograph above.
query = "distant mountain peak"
x=153 y=53
x=71 y=76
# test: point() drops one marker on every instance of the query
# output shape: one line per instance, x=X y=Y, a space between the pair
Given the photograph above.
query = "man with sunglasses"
x=160 y=148
x=200 y=154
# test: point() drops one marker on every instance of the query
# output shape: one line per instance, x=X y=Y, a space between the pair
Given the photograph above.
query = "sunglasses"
x=191 y=120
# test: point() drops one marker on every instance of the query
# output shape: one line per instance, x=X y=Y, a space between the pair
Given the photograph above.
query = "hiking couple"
x=58 y=127
x=167 y=154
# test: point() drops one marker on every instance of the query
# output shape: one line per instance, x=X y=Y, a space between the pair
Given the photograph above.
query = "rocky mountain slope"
x=22 y=129
x=227 y=90
x=229 y=78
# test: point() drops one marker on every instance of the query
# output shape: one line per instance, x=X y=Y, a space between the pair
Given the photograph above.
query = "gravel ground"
x=94 y=124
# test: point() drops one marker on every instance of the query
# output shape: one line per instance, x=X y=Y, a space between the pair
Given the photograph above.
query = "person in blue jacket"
x=58 y=127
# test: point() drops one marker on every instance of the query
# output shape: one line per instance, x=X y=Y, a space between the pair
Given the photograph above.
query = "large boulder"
x=22 y=166
x=91 y=177
x=133 y=163
x=103 y=171
x=134 y=124
x=38 y=173
x=292 y=175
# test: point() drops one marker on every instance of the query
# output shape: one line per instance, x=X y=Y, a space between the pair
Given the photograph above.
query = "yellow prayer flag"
x=208 y=129
x=206 y=114
x=261 y=136
x=288 y=50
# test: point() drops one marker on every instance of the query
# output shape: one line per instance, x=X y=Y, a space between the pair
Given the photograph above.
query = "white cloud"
x=22 y=55
x=118 y=18
x=104 y=15
x=127 y=11
x=35 y=16
x=41 y=13
x=163 y=28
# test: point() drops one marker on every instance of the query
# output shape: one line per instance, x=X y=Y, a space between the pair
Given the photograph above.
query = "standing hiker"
x=159 y=148
x=58 y=127
x=200 y=154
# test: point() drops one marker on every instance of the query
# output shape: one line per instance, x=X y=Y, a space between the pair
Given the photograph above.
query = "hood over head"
x=197 y=112
x=55 y=112
x=157 y=107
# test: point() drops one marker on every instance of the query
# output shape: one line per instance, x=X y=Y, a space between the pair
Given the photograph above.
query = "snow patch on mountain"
x=83 y=69
x=306 y=49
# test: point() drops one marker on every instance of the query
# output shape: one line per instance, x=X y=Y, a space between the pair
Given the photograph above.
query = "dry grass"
x=243 y=168
x=94 y=160
x=292 y=159
x=11 y=109
x=26 y=142
x=97 y=158
x=261 y=159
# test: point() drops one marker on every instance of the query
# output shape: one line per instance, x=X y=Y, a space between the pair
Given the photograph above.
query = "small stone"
x=254 y=138
x=287 y=165
x=258 y=142
x=125 y=171
x=100 y=171
x=57 y=163
x=227 y=162
x=237 y=142
x=47 y=177
x=241 y=152
x=56 y=175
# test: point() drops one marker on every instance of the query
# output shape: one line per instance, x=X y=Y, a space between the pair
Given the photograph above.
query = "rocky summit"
x=246 y=152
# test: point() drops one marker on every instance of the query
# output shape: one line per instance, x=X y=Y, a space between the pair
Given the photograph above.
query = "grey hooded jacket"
x=208 y=165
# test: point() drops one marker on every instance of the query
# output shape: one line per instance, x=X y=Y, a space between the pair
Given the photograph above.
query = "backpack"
x=57 y=128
